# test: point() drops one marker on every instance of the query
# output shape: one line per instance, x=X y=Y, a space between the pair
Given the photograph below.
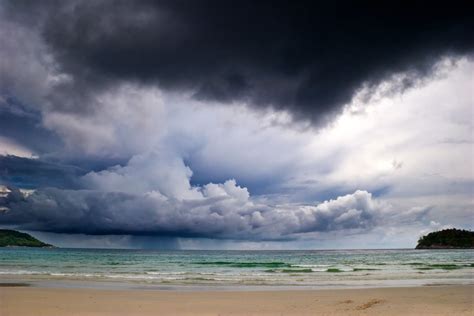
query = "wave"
x=274 y=264
x=166 y=273
x=438 y=266
x=310 y=266
x=22 y=272
x=290 y=270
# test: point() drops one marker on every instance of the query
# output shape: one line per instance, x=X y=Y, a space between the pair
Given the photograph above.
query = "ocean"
x=313 y=269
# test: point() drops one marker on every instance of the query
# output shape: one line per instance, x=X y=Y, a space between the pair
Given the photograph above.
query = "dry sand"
x=440 y=300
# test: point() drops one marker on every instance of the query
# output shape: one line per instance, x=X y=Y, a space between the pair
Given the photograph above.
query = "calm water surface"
x=261 y=268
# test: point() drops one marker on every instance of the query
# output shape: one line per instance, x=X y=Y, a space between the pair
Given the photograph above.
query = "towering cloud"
x=216 y=211
x=152 y=195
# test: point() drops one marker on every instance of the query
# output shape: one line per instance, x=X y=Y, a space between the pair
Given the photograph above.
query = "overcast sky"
x=235 y=125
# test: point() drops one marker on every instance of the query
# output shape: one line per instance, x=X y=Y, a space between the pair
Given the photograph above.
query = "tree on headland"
x=13 y=238
x=447 y=238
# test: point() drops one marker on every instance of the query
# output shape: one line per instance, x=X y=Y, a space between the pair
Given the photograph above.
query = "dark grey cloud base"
x=218 y=217
x=307 y=57
x=36 y=173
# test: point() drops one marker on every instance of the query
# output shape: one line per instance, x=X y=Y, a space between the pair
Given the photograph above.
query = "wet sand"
x=17 y=300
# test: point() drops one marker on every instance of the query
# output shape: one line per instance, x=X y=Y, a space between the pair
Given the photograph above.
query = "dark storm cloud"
x=24 y=127
x=34 y=173
x=303 y=56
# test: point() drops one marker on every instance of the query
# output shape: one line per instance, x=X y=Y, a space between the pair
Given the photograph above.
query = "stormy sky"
x=236 y=124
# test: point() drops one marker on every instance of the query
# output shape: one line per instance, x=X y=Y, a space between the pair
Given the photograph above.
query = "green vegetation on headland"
x=447 y=239
x=12 y=238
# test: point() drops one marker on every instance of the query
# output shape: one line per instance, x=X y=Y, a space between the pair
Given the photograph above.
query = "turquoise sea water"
x=253 y=268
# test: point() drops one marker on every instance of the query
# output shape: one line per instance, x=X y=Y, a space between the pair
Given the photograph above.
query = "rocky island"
x=447 y=239
x=13 y=238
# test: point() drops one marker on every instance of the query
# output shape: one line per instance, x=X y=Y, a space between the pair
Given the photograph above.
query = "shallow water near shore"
x=325 y=268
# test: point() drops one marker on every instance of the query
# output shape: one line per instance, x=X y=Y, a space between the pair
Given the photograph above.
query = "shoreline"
x=107 y=284
x=421 y=300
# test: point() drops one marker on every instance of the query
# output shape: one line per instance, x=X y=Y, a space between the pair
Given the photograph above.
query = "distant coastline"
x=447 y=239
x=13 y=239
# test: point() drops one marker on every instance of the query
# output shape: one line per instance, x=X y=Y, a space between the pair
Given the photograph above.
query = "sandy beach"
x=439 y=300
